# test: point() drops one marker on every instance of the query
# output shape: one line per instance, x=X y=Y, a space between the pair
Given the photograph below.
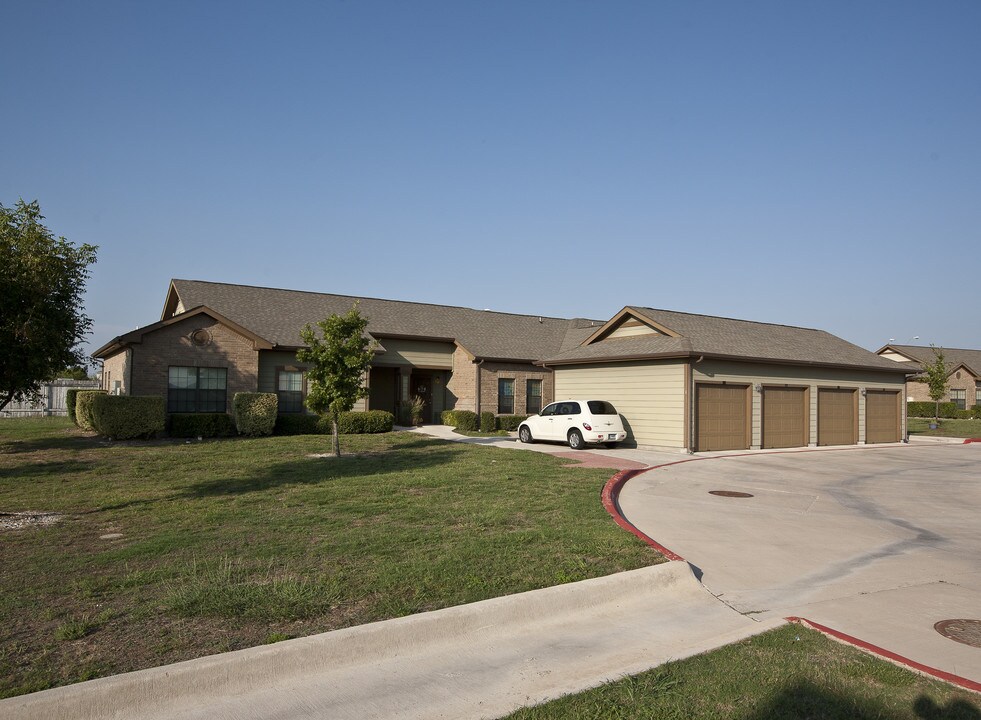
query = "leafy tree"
x=340 y=361
x=935 y=376
x=79 y=372
x=41 y=286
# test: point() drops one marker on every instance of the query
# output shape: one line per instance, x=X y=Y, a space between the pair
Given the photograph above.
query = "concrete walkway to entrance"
x=877 y=543
x=482 y=660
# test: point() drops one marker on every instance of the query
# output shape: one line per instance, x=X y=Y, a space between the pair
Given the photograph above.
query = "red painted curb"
x=894 y=657
x=972 y=440
x=611 y=491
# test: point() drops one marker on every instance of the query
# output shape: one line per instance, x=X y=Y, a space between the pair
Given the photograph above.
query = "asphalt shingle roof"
x=277 y=315
x=952 y=356
x=726 y=337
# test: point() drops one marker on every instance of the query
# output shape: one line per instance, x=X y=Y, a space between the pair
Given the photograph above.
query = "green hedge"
x=448 y=417
x=255 y=413
x=488 y=423
x=465 y=420
x=928 y=408
x=298 y=424
x=71 y=397
x=362 y=423
x=83 y=408
x=976 y=412
x=510 y=422
x=122 y=417
x=351 y=423
x=203 y=425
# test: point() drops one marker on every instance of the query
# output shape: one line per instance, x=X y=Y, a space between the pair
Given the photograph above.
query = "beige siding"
x=418 y=353
x=632 y=331
x=649 y=395
x=795 y=376
x=890 y=355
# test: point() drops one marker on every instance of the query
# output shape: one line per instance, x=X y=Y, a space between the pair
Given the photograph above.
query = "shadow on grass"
x=806 y=700
x=45 y=469
x=314 y=470
x=68 y=442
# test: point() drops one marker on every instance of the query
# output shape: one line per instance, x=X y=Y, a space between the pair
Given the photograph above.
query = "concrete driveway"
x=876 y=543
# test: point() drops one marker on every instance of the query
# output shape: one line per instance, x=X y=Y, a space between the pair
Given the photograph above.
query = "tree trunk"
x=336 y=435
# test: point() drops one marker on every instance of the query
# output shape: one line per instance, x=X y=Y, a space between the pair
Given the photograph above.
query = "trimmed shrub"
x=70 y=396
x=487 y=422
x=203 y=425
x=83 y=407
x=466 y=420
x=927 y=409
x=963 y=414
x=976 y=412
x=361 y=423
x=255 y=413
x=122 y=417
x=298 y=424
x=448 y=417
x=510 y=422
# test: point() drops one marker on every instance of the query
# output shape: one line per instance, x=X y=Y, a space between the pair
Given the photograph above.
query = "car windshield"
x=601 y=407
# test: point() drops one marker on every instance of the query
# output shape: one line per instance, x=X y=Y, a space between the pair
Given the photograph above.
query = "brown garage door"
x=721 y=421
x=837 y=417
x=784 y=417
x=881 y=416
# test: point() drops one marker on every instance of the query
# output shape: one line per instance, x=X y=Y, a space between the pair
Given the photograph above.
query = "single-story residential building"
x=680 y=381
x=964 y=378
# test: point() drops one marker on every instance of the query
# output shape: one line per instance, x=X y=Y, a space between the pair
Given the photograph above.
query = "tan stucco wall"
x=796 y=376
x=650 y=396
x=461 y=389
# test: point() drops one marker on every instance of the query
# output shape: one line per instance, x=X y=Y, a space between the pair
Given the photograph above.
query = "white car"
x=576 y=422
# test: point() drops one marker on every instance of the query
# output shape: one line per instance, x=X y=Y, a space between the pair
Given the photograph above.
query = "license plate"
x=612 y=436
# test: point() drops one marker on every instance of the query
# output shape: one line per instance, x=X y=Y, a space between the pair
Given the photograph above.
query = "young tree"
x=42 y=280
x=340 y=361
x=935 y=376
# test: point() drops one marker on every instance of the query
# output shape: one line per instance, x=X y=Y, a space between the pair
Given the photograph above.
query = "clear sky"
x=808 y=163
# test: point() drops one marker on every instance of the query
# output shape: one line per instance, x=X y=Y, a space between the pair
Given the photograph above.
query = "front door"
x=422 y=385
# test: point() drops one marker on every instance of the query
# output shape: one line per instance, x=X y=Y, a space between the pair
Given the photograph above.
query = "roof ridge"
x=930 y=347
x=723 y=317
x=364 y=297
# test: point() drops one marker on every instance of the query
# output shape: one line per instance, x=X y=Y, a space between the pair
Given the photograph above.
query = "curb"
x=888 y=654
x=610 y=496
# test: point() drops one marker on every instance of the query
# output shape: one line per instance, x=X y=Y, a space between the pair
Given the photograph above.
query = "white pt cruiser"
x=576 y=422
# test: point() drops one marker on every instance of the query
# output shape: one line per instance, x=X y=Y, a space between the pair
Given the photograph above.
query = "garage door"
x=784 y=417
x=721 y=421
x=837 y=417
x=881 y=416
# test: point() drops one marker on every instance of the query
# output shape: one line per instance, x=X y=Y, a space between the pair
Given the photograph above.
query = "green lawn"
x=170 y=550
x=947 y=428
x=788 y=673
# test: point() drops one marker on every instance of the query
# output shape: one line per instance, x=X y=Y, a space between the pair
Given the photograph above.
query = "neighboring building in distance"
x=964 y=379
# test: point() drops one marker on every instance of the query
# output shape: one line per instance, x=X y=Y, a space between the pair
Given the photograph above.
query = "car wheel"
x=524 y=434
x=611 y=445
x=575 y=440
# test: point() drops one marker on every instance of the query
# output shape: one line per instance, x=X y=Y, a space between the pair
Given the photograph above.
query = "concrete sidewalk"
x=482 y=660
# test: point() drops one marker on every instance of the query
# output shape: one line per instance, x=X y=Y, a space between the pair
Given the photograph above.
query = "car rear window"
x=601 y=407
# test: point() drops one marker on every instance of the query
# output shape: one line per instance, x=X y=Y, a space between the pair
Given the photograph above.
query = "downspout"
x=476 y=397
x=692 y=404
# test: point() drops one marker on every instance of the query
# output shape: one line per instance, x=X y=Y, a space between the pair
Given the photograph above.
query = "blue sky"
x=807 y=163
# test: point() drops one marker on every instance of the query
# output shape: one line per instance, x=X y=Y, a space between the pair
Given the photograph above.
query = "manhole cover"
x=963 y=631
x=730 y=493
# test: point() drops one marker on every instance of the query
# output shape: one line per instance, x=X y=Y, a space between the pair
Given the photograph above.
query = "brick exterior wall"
x=115 y=368
x=171 y=345
x=969 y=383
x=491 y=372
x=461 y=388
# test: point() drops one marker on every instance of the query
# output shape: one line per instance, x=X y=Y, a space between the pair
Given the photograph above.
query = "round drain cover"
x=730 y=493
x=963 y=631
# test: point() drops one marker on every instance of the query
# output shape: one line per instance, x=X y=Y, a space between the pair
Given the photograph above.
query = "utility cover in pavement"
x=963 y=631
x=730 y=493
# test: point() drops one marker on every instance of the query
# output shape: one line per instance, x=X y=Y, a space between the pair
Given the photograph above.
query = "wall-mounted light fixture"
x=864 y=392
x=758 y=387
